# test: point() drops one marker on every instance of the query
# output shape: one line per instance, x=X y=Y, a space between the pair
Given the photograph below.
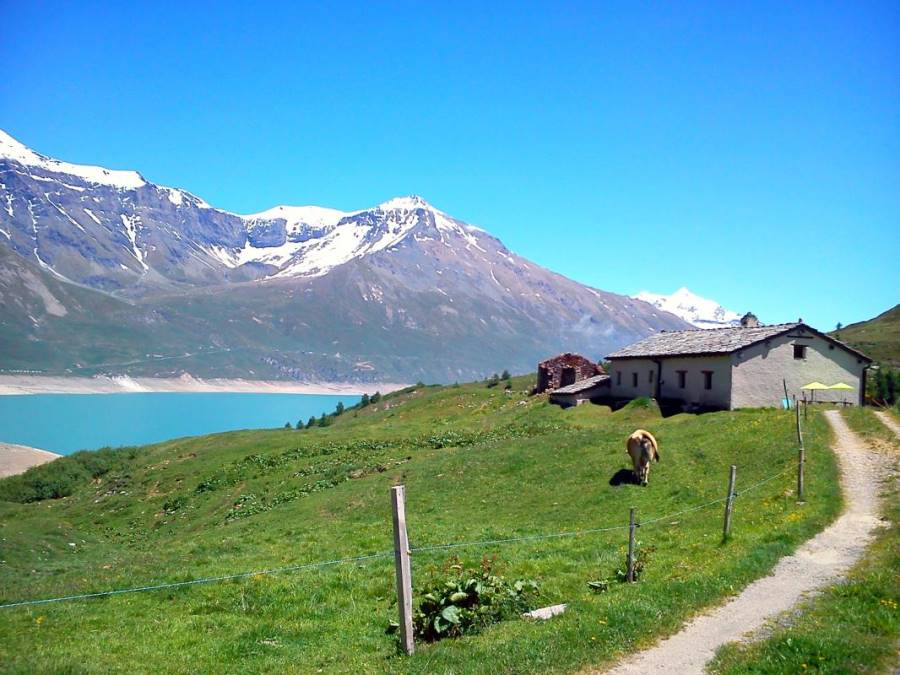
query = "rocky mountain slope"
x=104 y=271
x=697 y=311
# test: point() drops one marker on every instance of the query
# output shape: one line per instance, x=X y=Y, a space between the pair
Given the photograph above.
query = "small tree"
x=287 y=425
x=311 y=423
x=299 y=424
x=505 y=375
x=339 y=408
x=375 y=397
x=364 y=401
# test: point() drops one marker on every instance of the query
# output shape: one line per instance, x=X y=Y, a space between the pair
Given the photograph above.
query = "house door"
x=568 y=377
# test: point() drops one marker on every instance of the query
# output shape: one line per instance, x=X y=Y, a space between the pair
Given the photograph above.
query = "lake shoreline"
x=16 y=459
x=19 y=385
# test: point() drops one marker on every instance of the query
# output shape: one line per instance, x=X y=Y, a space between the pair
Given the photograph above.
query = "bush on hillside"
x=61 y=477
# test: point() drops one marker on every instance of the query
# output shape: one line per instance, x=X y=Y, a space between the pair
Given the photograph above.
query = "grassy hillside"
x=879 y=338
x=478 y=464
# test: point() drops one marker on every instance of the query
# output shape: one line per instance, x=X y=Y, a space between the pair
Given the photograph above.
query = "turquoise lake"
x=64 y=423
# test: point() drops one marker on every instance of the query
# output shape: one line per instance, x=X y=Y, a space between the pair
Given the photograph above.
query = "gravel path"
x=819 y=562
x=889 y=422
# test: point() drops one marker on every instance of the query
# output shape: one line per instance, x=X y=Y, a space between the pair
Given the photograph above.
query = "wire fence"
x=391 y=553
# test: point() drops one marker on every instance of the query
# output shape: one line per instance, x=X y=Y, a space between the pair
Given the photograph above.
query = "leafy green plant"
x=642 y=555
x=462 y=600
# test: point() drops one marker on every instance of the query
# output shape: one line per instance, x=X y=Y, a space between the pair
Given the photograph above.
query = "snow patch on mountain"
x=697 y=311
x=10 y=148
x=295 y=216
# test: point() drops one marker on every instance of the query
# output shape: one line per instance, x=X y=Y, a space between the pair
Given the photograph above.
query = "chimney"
x=749 y=320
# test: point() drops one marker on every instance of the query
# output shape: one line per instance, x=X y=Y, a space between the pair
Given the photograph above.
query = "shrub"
x=61 y=477
x=463 y=600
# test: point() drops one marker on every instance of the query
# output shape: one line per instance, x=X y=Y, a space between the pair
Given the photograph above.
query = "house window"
x=650 y=377
x=707 y=379
x=634 y=379
x=619 y=377
x=682 y=378
x=799 y=351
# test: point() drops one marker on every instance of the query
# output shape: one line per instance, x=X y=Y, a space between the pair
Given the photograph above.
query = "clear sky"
x=751 y=153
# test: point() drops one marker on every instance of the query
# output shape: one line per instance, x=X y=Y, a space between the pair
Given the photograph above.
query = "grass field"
x=478 y=464
x=852 y=627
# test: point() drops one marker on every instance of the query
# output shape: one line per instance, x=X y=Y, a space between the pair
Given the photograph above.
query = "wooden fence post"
x=797 y=415
x=404 y=573
x=630 y=569
x=729 y=503
x=801 y=463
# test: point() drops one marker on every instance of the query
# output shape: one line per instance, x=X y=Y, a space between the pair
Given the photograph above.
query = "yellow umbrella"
x=843 y=386
x=813 y=386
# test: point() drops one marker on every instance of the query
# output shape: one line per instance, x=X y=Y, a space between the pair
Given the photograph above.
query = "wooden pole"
x=729 y=503
x=404 y=573
x=801 y=463
x=797 y=415
x=630 y=572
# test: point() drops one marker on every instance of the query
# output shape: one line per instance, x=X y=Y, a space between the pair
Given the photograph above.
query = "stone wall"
x=565 y=369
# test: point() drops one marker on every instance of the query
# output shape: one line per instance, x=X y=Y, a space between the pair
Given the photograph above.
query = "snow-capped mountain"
x=697 y=311
x=144 y=235
x=105 y=269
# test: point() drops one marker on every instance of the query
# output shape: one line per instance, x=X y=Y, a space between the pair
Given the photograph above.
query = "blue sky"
x=750 y=153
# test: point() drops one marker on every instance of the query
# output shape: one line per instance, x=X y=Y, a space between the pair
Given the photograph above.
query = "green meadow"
x=479 y=463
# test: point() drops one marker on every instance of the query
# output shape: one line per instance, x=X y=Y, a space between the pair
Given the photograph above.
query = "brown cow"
x=642 y=447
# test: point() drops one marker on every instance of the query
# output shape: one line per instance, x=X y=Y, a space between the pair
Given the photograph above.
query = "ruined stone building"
x=564 y=370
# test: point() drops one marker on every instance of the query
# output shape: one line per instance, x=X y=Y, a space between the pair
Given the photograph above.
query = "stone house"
x=743 y=367
x=564 y=370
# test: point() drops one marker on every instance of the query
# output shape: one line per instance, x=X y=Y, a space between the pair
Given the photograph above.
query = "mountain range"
x=103 y=271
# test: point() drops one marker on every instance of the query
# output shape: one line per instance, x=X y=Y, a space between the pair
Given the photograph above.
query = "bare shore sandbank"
x=101 y=384
x=16 y=459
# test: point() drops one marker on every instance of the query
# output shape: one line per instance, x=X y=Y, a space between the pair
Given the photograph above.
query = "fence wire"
x=204 y=580
x=385 y=554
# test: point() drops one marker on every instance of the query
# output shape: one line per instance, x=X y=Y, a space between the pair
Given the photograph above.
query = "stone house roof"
x=581 y=385
x=715 y=341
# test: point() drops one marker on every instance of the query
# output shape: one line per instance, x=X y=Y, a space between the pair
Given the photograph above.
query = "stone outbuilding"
x=749 y=366
x=596 y=387
x=564 y=370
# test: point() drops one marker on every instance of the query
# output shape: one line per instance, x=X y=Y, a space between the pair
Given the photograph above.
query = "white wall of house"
x=624 y=372
x=694 y=390
x=758 y=371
